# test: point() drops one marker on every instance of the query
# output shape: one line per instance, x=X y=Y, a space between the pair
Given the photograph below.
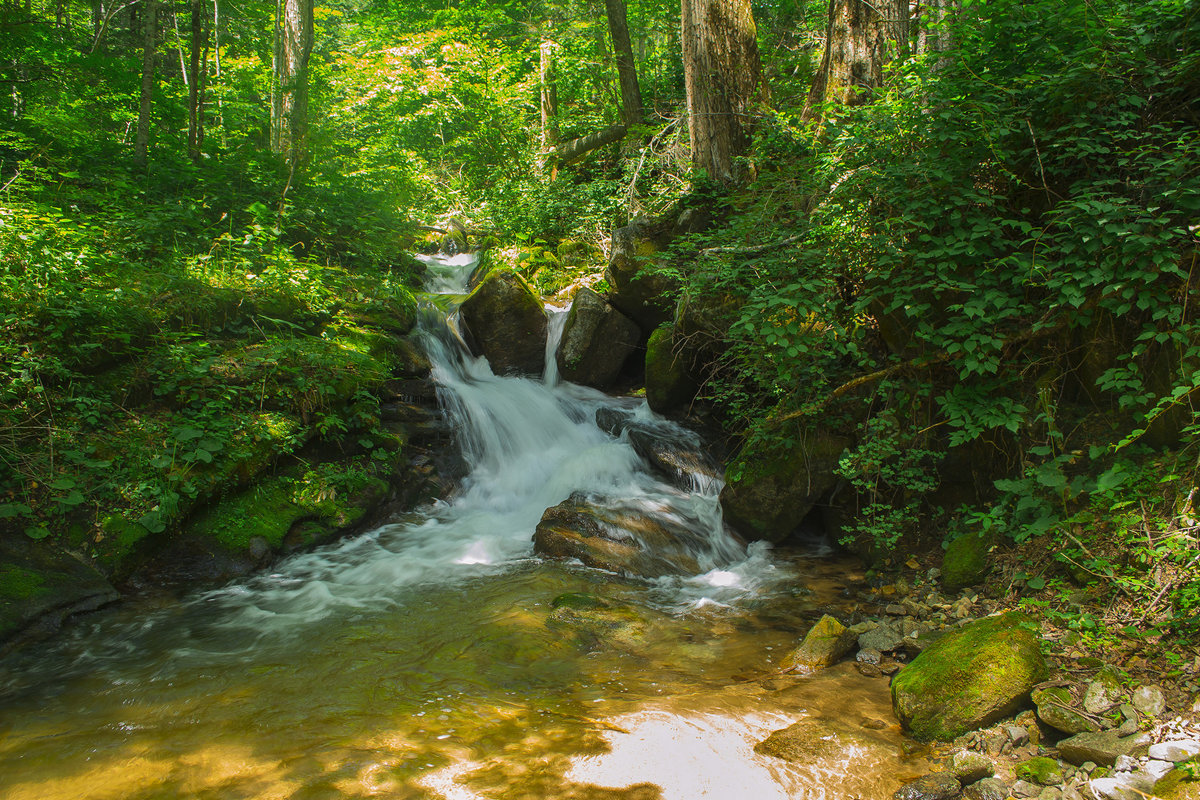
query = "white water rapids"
x=419 y=660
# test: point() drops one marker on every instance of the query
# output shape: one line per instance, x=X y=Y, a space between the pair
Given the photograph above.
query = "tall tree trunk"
x=141 y=144
x=859 y=40
x=289 y=107
x=548 y=101
x=934 y=34
x=631 y=94
x=723 y=76
x=197 y=46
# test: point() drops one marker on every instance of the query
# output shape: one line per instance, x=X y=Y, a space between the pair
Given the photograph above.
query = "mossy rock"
x=669 y=384
x=768 y=494
x=507 y=324
x=1179 y=784
x=965 y=562
x=1056 y=708
x=826 y=642
x=636 y=289
x=38 y=583
x=596 y=341
x=1040 y=770
x=969 y=678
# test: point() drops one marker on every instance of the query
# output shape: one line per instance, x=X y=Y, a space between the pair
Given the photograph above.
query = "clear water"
x=423 y=659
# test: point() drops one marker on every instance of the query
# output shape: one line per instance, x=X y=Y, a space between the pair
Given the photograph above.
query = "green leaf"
x=74 y=498
x=1037 y=583
x=10 y=510
x=37 y=532
x=187 y=434
x=62 y=484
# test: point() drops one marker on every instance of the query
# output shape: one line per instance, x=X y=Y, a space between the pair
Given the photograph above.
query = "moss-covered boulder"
x=669 y=383
x=826 y=642
x=965 y=562
x=969 y=678
x=768 y=493
x=1056 y=707
x=507 y=324
x=596 y=341
x=41 y=586
x=1041 y=770
x=636 y=289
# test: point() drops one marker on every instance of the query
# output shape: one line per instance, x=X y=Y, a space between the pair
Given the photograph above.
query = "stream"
x=428 y=658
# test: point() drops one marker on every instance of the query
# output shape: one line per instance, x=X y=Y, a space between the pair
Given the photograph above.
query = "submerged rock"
x=507 y=324
x=42 y=587
x=934 y=786
x=814 y=740
x=596 y=341
x=677 y=455
x=968 y=679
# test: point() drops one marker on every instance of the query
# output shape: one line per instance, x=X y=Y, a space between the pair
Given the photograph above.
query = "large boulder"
x=669 y=382
x=968 y=679
x=625 y=540
x=507 y=324
x=767 y=495
x=39 y=588
x=596 y=341
x=673 y=452
x=636 y=290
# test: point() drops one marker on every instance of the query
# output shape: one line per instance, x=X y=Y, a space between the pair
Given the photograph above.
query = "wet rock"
x=884 y=638
x=596 y=341
x=617 y=539
x=1175 y=751
x=1040 y=770
x=969 y=766
x=593 y=620
x=1103 y=747
x=869 y=656
x=768 y=494
x=934 y=786
x=675 y=453
x=1054 y=707
x=669 y=383
x=41 y=588
x=507 y=324
x=969 y=678
x=965 y=562
x=1149 y=700
x=826 y=642
x=986 y=789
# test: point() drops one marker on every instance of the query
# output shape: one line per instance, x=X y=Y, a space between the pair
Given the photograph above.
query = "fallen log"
x=572 y=151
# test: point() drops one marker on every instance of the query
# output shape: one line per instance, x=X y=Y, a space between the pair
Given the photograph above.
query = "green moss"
x=668 y=384
x=19 y=584
x=969 y=678
x=1041 y=770
x=965 y=563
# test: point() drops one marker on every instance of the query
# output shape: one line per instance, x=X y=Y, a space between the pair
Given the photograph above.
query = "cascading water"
x=425 y=658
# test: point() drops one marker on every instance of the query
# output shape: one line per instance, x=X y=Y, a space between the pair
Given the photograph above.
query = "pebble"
x=1096 y=699
x=1149 y=700
x=1017 y=734
x=986 y=789
x=1050 y=793
x=1175 y=751
x=970 y=767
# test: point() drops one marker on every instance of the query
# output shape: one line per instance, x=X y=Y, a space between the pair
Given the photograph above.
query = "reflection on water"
x=426 y=659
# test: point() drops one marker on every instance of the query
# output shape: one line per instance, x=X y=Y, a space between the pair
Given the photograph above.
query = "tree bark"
x=631 y=93
x=289 y=106
x=141 y=144
x=195 y=92
x=934 y=35
x=724 y=83
x=576 y=149
x=857 y=40
x=548 y=101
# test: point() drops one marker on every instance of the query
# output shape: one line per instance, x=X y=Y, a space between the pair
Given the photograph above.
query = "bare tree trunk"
x=289 y=107
x=141 y=143
x=859 y=40
x=548 y=101
x=724 y=82
x=196 y=47
x=631 y=93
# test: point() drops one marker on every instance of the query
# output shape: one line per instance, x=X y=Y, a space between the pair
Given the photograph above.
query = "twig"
x=1170 y=585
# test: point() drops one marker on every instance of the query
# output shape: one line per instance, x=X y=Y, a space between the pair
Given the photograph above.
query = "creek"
x=426 y=658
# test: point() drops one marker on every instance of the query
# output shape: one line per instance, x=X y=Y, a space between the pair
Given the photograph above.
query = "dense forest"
x=944 y=249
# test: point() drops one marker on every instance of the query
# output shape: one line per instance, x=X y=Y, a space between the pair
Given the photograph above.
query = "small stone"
x=1112 y=789
x=969 y=767
x=1127 y=728
x=894 y=610
x=869 y=656
x=885 y=639
x=1155 y=770
x=1050 y=793
x=994 y=742
x=1149 y=700
x=934 y=786
x=933 y=574
x=986 y=789
x=1071 y=793
x=869 y=670
x=1175 y=751
x=872 y=724
x=1088 y=767
x=1125 y=764
x=1017 y=735
x=1026 y=789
